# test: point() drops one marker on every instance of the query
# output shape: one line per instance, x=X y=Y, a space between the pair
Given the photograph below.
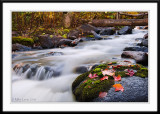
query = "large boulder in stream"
x=84 y=30
x=90 y=86
x=125 y=30
x=63 y=42
x=107 y=31
x=135 y=90
x=45 y=41
x=139 y=57
x=144 y=42
x=20 y=47
x=143 y=48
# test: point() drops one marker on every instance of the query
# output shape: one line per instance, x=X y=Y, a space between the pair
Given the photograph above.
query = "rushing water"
x=43 y=86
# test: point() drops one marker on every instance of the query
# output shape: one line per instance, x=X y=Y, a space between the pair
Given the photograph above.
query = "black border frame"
x=80 y=1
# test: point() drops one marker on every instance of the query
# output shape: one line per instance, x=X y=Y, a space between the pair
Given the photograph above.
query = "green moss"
x=64 y=36
x=102 y=66
x=79 y=79
x=97 y=70
x=66 y=31
x=100 y=74
x=114 y=62
x=90 y=36
x=143 y=72
x=51 y=36
x=87 y=92
x=23 y=40
x=121 y=73
x=59 y=31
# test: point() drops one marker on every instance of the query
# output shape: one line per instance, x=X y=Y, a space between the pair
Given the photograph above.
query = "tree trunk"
x=67 y=19
x=119 y=22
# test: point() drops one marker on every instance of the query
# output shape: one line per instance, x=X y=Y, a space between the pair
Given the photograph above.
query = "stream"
x=41 y=85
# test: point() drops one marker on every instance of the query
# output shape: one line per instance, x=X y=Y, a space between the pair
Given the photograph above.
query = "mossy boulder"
x=86 y=88
x=22 y=40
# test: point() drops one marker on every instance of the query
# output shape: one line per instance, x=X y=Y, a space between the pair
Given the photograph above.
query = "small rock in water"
x=140 y=57
x=125 y=30
x=81 y=69
x=144 y=49
x=54 y=54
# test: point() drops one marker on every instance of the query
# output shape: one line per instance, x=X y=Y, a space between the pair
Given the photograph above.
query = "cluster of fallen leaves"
x=111 y=72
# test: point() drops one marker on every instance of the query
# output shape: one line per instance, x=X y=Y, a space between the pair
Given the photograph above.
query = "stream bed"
x=50 y=72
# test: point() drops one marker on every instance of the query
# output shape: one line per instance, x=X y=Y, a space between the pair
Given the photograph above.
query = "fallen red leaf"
x=118 y=87
x=92 y=76
x=118 y=78
x=130 y=72
x=102 y=94
x=105 y=77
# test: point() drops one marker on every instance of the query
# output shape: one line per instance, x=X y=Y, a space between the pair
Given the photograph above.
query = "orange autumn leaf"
x=102 y=94
x=118 y=87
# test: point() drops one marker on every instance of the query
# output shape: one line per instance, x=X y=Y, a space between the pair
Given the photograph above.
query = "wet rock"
x=145 y=36
x=25 y=67
x=14 y=55
x=144 y=42
x=66 y=42
x=96 y=36
x=73 y=34
x=135 y=90
x=54 y=54
x=81 y=69
x=37 y=47
x=145 y=27
x=107 y=38
x=45 y=41
x=87 y=28
x=87 y=39
x=144 y=49
x=17 y=67
x=109 y=31
x=32 y=71
x=125 y=30
x=139 y=57
x=94 y=66
x=75 y=42
x=138 y=39
x=84 y=30
x=20 y=47
x=56 y=41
